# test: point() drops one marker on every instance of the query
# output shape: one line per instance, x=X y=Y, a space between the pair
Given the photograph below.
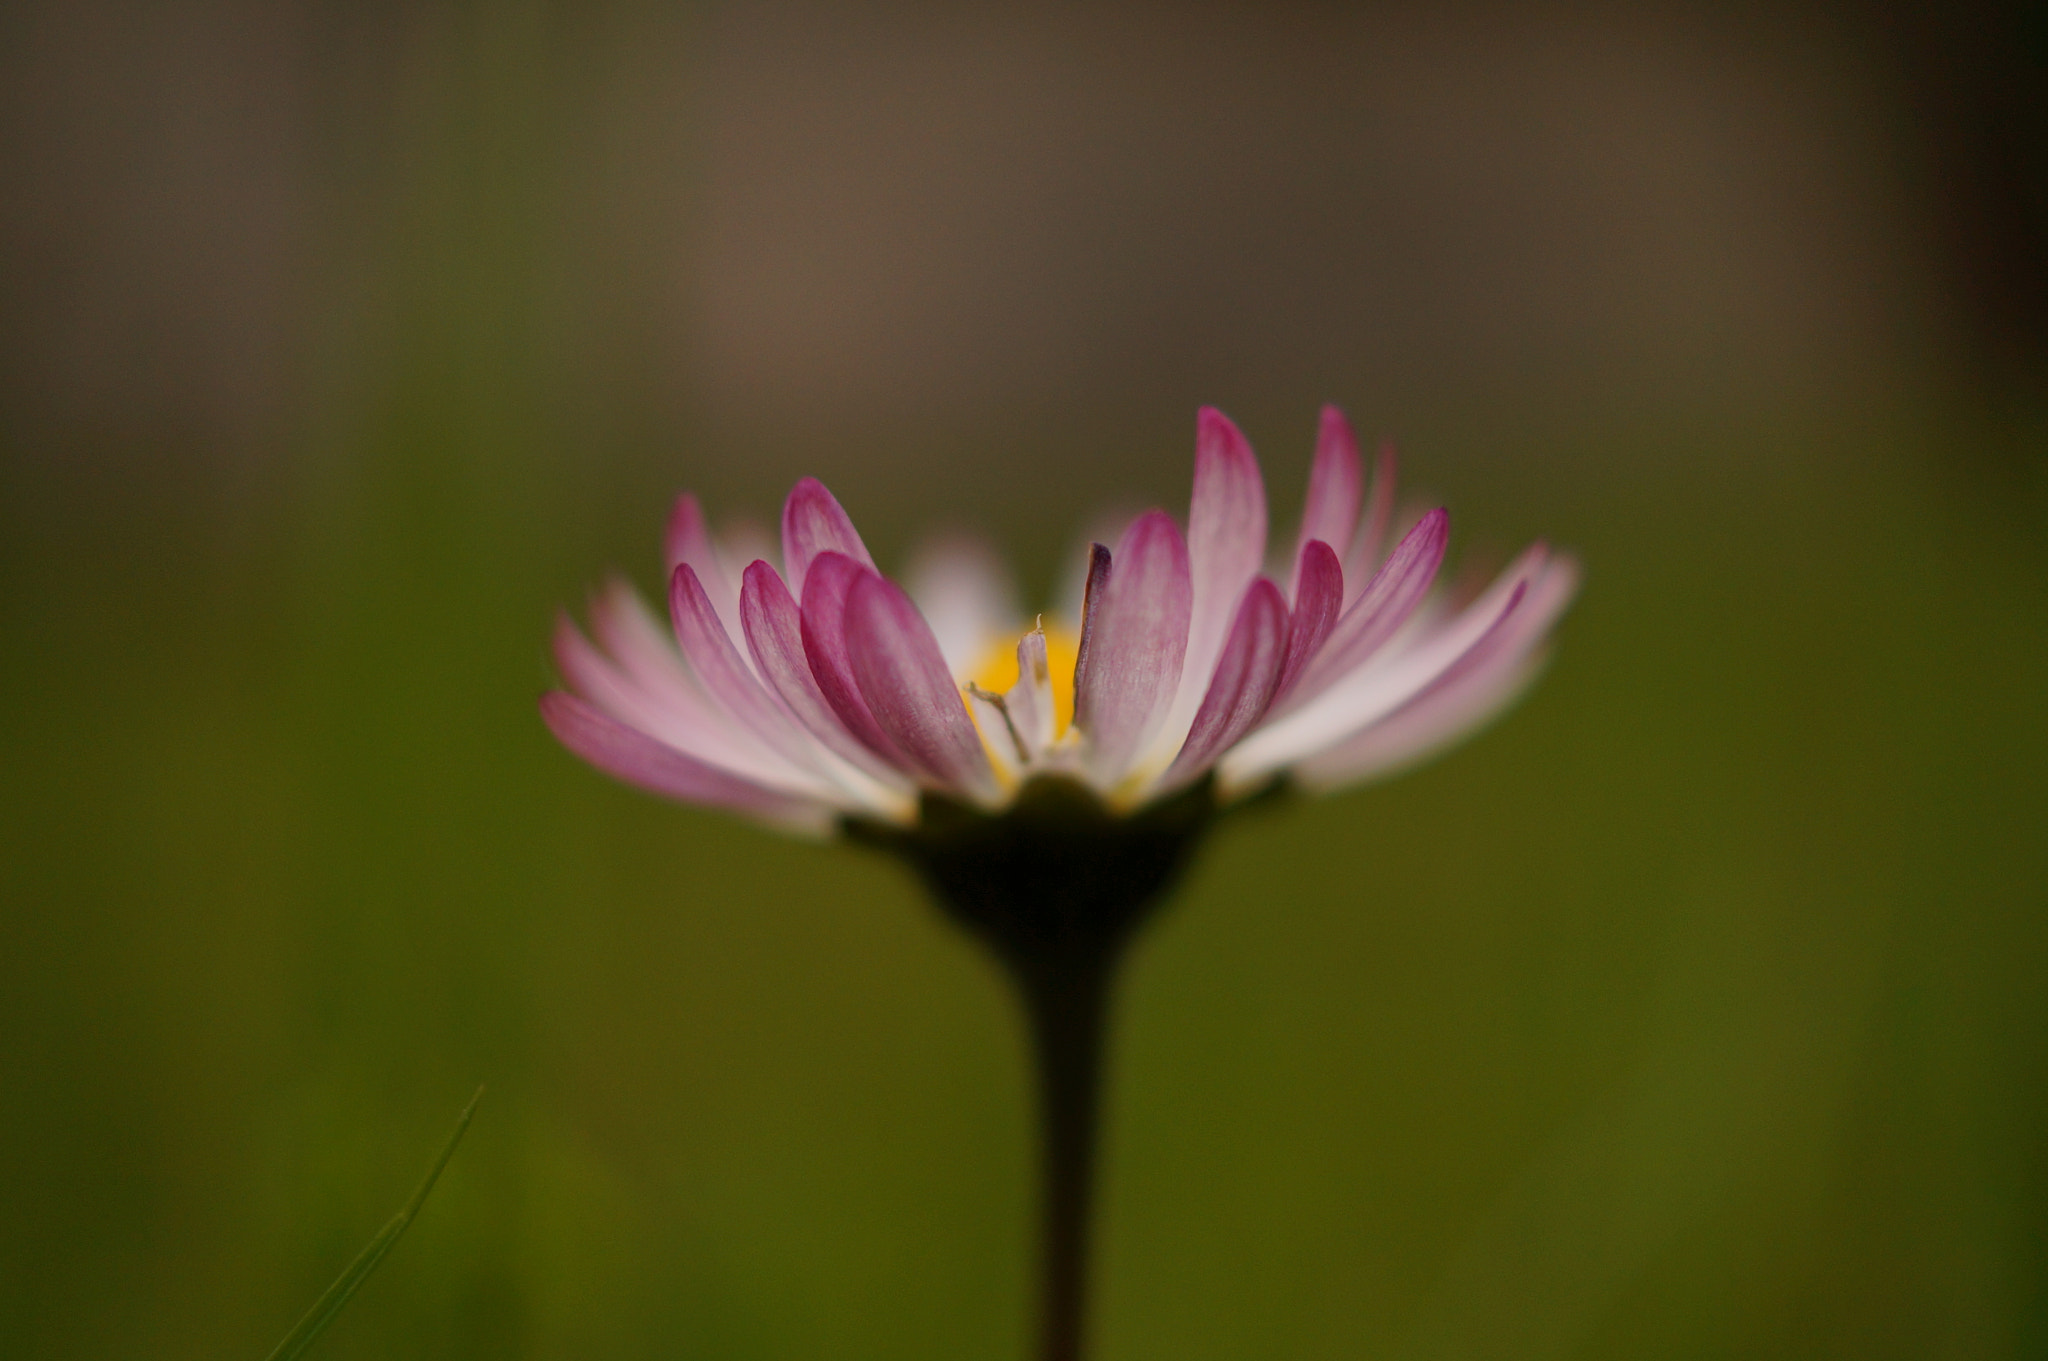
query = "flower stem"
x=1056 y=886
x=1066 y=1000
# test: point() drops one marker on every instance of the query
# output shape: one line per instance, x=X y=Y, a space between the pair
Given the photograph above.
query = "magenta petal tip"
x=824 y=690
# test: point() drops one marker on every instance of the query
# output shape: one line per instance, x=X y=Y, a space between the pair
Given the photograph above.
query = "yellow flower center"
x=996 y=672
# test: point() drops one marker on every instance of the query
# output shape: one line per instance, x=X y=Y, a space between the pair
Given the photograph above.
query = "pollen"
x=996 y=672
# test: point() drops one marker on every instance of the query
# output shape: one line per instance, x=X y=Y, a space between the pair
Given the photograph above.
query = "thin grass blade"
x=329 y=1304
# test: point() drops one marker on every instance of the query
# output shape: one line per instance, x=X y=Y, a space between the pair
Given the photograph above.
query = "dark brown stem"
x=1067 y=1001
x=1056 y=885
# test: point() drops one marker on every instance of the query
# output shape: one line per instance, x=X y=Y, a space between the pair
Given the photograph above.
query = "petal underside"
x=813 y=522
x=628 y=754
x=774 y=631
x=904 y=679
x=1247 y=676
x=1380 y=610
x=831 y=577
x=1226 y=548
x=1134 y=640
x=1379 y=688
x=1318 y=598
x=1336 y=485
x=1469 y=694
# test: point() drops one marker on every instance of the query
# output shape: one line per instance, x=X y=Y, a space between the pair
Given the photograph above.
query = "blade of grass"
x=329 y=1304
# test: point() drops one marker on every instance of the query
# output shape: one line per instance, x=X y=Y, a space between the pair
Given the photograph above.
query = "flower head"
x=818 y=690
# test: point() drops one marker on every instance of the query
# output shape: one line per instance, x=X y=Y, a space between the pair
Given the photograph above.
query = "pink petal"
x=1226 y=541
x=631 y=755
x=1247 y=677
x=824 y=637
x=1427 y=725
x=1538 y=596
x=1134 y=639
x=1318 y=595
x=646 y=654
x=774 y=630
x=640 y=647
x=651 y=690
x=909 y=689
x=596 y=678
x=1390 y=680
x=1528 y=567
x=1470 y=693
x=724 y=674
x=689 y=541
x=1364 y=550
x=1336 y=481
x=1381 y=609
x=814 y=523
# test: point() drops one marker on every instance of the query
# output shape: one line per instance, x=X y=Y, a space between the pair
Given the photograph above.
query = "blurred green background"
x=1695 y=1010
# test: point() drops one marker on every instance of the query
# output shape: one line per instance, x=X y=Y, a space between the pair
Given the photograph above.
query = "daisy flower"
x=806 y=689
x=1050 y=775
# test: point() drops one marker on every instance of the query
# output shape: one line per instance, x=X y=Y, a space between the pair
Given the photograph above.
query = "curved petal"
x=1336 y=483
x=1364 y=549
x=774 y=630
x=599 y=680
x=631 y=755
x=1372 y=692
x=1474 y=692
x=902 y=676
x=1134 y=639
x=813 y=523
x=689 y=540
x=645 y=685
x=1318 y=595
x=1433 y=722
x=1247 y=677
x=1226 y=543
x=1385 y=605
x=725 y=675
x=641 y=648
x=823 y=621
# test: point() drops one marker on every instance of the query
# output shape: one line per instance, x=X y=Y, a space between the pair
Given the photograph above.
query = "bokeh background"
x=1698 y=1009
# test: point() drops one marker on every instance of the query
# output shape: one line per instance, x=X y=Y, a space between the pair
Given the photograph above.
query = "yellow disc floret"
x=996 y=672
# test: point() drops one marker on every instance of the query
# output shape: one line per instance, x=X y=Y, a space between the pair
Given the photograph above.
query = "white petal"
x=965 y=593
x=1422 y=729
x=1032 y=706
x=1472 y=695
x=644 y=684
x=1386 y=682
